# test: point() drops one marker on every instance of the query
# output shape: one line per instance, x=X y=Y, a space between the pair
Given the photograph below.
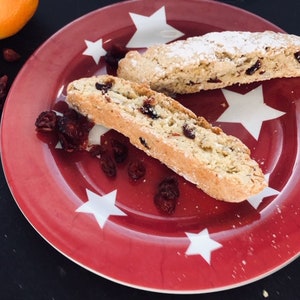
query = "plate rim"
x=12 y=188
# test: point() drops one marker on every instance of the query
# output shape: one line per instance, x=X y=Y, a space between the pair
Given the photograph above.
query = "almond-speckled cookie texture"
x=217 y=163
x=214 y=60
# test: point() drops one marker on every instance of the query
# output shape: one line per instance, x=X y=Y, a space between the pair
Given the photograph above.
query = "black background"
x=29 y=267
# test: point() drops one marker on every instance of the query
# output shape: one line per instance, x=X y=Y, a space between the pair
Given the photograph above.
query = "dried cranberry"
x=168 y=187
x=254 y=68
x=136 y=169
x=46 y=121
x=72 y=114
x=166 y=206
x=120 y=151
x=3 y=89
x=191 y=83
x=108 y=166
x=148 y=109
x=189 y=131
x=73 y=130
x=114 y=55
x=214 y=80
x=69 y=134
x=10 y=55
x=97 y=150
x=167 y=194
x=103 y=87
x=61 y=106
x=297 y=56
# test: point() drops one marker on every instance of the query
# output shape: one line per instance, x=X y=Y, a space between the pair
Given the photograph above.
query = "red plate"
x=206 y=245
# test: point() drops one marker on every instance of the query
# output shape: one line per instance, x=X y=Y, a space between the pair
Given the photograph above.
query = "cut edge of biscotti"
x=214 y=60
x=217 y=163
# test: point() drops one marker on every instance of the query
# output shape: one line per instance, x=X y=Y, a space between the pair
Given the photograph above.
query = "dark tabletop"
x=29 y=267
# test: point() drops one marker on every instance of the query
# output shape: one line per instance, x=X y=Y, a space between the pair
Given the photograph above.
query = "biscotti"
x=214 y=60
x=217 y=163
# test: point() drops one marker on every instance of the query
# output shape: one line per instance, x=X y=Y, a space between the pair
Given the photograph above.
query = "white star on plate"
x=101 y=206
x=249 y=110
x=202 y=244
x=95 y=134
x=268 y=191
x=152 y=30
x=94 y=49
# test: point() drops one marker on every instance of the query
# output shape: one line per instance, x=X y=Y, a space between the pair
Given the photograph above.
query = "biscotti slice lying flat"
x=217 y=163
x=214 y=60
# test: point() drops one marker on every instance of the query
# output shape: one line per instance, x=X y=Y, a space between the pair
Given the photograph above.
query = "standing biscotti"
x=214 y=60
x=217 y=163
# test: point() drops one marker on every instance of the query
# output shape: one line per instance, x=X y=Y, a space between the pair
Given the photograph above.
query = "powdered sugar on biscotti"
x=214 y=60
x=230 y=42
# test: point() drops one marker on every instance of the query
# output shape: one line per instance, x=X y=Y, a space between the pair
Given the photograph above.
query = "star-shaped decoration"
x=268 y=191
x=94 y=49
x=249 y=110
x=58 y=145
x=201 y=244
x=101 y=206
x=152 y=30
x=95 y=134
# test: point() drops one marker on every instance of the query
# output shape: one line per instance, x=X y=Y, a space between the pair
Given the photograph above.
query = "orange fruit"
x=14 y=14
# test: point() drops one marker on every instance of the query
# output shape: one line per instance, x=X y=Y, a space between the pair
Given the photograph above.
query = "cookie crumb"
x=265 y=294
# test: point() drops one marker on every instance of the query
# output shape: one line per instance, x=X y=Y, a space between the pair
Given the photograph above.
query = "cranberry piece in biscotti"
x=144 y=143
x=189 y=131
x=103 y=87
x=254 y=68
x=297 y=56
x=214 y=80
x=148 y=108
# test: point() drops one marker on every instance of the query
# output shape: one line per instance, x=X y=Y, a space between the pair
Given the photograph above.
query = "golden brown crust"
x=217 y=163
